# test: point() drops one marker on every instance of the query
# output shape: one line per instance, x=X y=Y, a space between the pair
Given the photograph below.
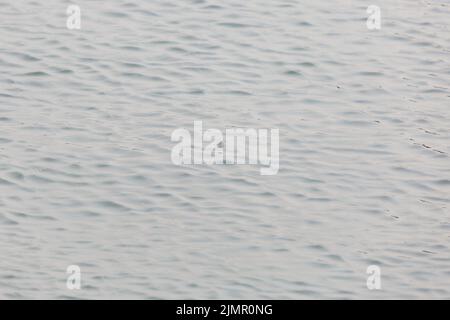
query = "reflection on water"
x=86 y=177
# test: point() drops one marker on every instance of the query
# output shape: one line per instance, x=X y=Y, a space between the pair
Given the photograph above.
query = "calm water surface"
x=86 y=177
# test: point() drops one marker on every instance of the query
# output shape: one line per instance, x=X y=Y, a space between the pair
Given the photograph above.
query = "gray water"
x=86 y=176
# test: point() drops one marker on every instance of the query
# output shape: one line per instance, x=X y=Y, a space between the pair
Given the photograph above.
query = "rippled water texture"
x=86 y=176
